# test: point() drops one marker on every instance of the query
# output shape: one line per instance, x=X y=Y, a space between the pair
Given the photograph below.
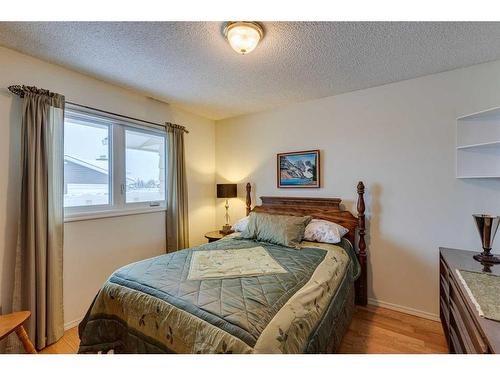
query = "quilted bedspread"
x=158 y=306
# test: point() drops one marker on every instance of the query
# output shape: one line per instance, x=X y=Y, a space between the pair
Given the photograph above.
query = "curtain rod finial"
x=175 y=126
x=17 y=90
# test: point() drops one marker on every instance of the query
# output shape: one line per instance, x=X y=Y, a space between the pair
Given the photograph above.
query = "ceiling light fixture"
x=243 y=37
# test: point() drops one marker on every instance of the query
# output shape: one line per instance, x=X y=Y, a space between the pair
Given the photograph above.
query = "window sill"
x=106 y=214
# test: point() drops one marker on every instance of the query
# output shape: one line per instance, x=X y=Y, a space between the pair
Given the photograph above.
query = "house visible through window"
x=86 y=163
x=111 y=164
x=145 y=166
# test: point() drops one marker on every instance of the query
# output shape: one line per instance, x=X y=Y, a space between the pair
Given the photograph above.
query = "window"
x=111 y=166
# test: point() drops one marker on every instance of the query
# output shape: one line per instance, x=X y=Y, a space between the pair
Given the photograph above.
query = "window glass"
x=145 y=166
x=86 y=163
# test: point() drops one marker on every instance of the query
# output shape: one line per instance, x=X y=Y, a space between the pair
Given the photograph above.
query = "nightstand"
x=214 y=236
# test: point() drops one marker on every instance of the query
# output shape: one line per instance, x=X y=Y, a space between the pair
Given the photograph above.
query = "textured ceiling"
x=191 y=65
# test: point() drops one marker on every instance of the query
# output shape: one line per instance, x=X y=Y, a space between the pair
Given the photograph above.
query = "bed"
x=282 y=301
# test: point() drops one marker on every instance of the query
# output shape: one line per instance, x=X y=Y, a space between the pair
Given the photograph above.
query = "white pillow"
x=241 y=224
x=324 y=231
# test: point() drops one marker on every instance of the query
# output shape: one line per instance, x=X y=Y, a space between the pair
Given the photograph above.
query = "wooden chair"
x=14 y=322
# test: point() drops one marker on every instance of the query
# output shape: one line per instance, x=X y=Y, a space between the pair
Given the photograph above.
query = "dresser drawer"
x=455 y=345
x=471 y=339
x=443 y=269
x=444 y=278
x=458 y=326
x=445 y=311
x=444 y=287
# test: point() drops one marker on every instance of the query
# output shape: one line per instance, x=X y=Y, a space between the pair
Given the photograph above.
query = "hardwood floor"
x=373 y=330
x=68 y=344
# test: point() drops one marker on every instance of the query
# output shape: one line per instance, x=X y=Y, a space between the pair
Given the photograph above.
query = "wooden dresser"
x=465 y=330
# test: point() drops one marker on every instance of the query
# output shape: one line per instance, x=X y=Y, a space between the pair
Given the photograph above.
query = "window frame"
x=117 y=205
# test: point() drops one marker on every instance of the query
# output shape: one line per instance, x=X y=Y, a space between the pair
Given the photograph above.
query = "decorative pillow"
x=240 y=225
x=278 y=229
x=324 y=231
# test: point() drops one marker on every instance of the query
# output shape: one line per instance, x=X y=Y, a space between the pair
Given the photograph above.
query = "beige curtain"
x=38 y=284
x=177 y=199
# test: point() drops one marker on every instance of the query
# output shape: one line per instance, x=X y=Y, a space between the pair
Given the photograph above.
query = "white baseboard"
x=403 y=309
x=72 y=324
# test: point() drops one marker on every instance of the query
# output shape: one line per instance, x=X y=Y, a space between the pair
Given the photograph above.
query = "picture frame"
x=299 y=169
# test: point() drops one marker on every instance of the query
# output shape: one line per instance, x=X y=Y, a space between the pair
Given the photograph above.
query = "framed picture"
x=299 y=169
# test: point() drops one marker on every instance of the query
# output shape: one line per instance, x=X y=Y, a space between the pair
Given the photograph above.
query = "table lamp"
x=226 y=191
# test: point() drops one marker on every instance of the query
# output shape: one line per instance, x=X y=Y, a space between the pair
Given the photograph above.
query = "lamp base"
x=226 y=229
x=487 y=257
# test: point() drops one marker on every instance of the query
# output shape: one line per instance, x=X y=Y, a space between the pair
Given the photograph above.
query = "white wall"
x=400 y=140
x=94 y=249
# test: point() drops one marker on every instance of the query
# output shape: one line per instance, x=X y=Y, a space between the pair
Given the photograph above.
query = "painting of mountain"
x=298 y=169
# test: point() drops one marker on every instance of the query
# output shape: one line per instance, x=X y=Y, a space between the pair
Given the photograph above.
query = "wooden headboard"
x=326 y=209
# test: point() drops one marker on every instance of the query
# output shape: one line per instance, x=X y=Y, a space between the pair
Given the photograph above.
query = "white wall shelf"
x=478 y=145
x=478 y=176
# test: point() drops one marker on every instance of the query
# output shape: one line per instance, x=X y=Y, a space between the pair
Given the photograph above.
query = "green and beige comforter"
x=229 y=296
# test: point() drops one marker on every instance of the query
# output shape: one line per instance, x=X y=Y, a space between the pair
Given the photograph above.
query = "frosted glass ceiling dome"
x=243 y=37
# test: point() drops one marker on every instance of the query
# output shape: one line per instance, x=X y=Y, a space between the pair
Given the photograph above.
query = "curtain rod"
x=128 y=117
x=20 y=90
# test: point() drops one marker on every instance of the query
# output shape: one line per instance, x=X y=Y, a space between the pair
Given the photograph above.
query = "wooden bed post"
x=249 y=199
x=361 y=283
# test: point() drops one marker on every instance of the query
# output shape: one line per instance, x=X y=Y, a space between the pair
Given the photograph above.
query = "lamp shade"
x=226 y=191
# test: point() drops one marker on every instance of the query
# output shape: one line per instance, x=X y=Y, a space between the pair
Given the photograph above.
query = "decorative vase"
x=487 y=226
